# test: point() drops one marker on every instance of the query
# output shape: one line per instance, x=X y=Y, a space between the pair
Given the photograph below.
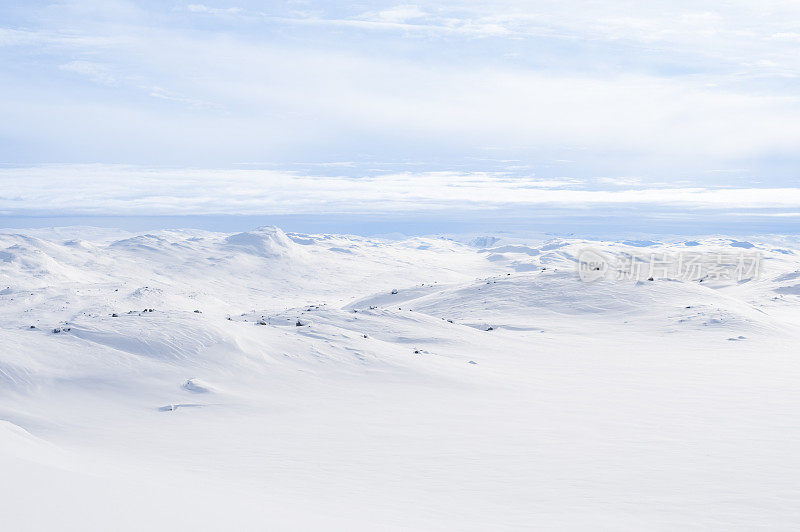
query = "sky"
x=507 y=108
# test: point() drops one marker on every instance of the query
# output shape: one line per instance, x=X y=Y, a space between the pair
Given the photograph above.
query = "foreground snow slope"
x=270 y=381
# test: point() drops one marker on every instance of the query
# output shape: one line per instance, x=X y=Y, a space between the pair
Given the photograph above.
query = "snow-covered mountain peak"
x=267 y=241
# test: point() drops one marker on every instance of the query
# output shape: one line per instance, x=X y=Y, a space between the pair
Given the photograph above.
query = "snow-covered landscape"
x=263 y=380
x=430 y=266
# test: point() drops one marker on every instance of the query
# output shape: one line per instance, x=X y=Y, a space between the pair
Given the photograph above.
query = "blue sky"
x=577 y=99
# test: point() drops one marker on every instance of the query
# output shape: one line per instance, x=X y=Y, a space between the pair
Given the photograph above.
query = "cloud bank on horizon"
x=134 y=191
x=501 y=102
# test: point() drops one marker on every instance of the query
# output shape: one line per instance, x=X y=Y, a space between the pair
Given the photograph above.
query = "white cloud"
x=164 y=94
x=95 y=71
x=201 y=8
x=124 y=190
x=477 y=106
x=621 y=181
x=400 y=14
x=787 y=36
x=684 y=85
x=103 y=75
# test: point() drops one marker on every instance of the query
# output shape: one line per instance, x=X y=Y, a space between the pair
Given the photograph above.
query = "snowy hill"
x=187 y=379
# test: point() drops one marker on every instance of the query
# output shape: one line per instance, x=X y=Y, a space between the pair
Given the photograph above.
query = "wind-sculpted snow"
x=195 y=380
x=264 y=241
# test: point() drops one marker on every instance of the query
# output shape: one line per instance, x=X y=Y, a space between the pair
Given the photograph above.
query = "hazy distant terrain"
x=263 y=380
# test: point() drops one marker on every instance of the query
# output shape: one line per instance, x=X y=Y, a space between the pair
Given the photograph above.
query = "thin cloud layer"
x=663 y=91
x=120 y=190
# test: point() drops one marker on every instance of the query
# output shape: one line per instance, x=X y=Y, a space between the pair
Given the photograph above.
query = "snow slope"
x=270 y=381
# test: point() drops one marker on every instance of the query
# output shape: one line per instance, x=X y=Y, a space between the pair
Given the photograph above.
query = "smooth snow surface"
x=265 y=381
